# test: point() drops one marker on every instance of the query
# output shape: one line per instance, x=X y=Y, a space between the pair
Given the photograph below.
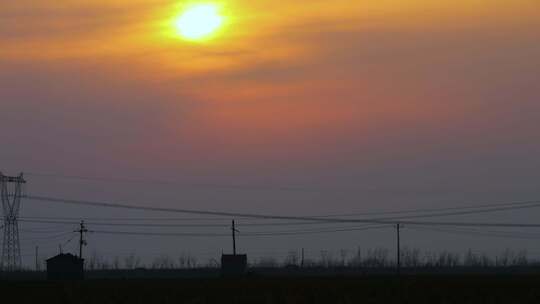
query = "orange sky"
x=257 y=31
x=362 y=105
x=301 y=73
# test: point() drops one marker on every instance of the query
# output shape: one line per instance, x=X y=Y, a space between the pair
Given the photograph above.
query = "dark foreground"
x=411 y=289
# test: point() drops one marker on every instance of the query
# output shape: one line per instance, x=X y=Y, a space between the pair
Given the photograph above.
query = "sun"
x=199 y=22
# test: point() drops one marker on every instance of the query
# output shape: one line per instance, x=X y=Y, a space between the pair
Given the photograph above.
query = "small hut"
x=65 y=267
x=233 y=265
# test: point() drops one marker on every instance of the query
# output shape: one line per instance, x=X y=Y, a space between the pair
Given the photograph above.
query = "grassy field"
x=410 y=289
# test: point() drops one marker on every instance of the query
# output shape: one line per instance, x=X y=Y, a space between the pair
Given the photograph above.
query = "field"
x=376 y=289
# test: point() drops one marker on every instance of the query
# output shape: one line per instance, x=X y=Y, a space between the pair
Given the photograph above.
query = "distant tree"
x=182 y=261
x=327 y=259
x=356 y=260
x=429 y=259
x=132 y=261
x=94 y=262
x=191 y=261
x=116 y=263
x=343 y=254
x=520 y=259
x=486 y=261
x=448 y=259
x=104 y=265
x=186 y=260
x=310 y=263
x=267 y=262
x=410 y=257
x=163 y=262
x=292 y=258
x=212 y=263
x=471 y=259
x=376 y=258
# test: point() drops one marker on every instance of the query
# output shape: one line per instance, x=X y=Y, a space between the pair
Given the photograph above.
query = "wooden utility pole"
x=233 y=237
x=82 y=241
x=302 y=262
x=398 y=269
x=37 y=259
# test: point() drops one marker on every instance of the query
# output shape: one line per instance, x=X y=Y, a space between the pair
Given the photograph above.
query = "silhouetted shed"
x=233 y=265
x=65 y=267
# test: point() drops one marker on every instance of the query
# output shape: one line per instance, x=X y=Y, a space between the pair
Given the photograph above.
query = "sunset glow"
x=199 y=22
x=293 y=108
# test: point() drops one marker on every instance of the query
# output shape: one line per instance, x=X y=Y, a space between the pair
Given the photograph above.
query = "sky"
x=299 y=107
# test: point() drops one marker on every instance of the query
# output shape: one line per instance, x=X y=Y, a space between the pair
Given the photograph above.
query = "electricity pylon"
x=11 y=192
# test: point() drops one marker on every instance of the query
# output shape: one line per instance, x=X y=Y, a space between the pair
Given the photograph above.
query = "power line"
x=464 y=210
x=160 y=233
x=126 y=218
x=56 y=236
x=314 y=219
x=497 y=234
x=280 y=217
x=525 y=204
x=172 y=183
x=282 y=224
x=126 y=224
x=246 y=234
x=42 y=230
x=169 y=182
x=69 y=240
x=278 y=233
x=72 y=220
x=318 y=231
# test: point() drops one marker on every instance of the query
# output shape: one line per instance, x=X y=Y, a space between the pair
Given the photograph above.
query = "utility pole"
x=234 y=231
x=37 y=260
x=82 y=241
x=302 y=262
x=398 y=225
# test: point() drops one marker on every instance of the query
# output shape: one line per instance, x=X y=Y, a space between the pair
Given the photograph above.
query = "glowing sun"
x=199 y=22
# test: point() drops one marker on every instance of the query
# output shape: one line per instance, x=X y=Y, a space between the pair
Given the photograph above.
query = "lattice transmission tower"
x=11 y=192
